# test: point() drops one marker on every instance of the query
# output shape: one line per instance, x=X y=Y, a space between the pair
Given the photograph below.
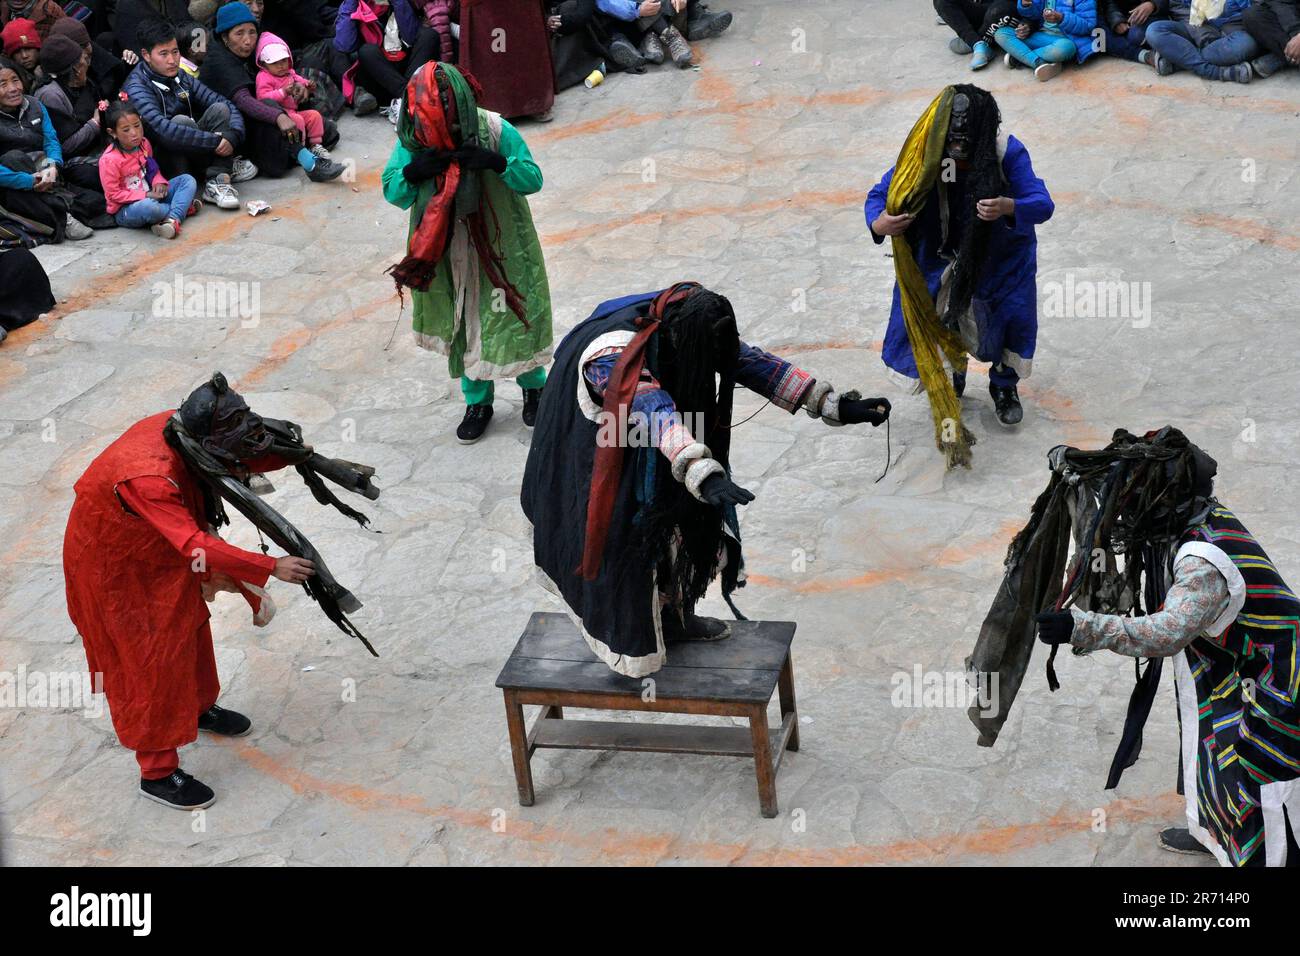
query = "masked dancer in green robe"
x=474 y=263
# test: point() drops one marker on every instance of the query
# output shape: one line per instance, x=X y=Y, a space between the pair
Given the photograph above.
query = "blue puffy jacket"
x=159 y=99
x=1078 y=20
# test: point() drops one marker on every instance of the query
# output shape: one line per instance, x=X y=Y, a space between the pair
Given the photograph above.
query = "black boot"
x=705 y=25
x=1007 y=403
x=959 y=383
x=532 y=396
x=227 y=723
x=364 y=102
x=1179 y=840
x=625 y=54
x=179 y=790
x=474 y=424
x=695 y=628
x=324 y=170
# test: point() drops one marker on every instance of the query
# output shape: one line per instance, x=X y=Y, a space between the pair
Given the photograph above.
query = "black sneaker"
x=474 y=424
x=705 y=25
x=532 y=396
x=1007 y=403
x=695 y=629
x=364 y=102
x=959 y=383
x=1179 y=840
x=227 y=723
x=179 y=790
x=324 y=170
x=625 y=54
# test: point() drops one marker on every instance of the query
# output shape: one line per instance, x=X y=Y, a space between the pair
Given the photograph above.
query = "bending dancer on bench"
x=628 y=484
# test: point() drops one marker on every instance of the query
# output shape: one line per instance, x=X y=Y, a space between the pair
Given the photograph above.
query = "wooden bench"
x=552 y=666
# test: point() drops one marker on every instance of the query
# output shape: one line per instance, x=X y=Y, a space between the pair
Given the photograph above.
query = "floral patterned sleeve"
x=1197 y=597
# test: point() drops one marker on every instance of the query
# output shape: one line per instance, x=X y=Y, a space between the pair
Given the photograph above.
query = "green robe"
x=461 y=315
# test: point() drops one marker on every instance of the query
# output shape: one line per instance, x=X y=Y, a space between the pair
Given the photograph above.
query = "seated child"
x=192 y=38
x=1052 y=33
x=136 y=192
x=278 y=81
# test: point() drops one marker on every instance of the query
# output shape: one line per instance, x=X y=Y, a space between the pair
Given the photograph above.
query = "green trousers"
x=480 y=392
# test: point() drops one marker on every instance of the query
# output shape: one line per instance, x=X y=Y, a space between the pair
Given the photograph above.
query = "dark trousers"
x=51 y=208
x=1273 y=23
x=1127 y=45
x=973 y=20
x=202 y=164
x=386 y=79
x=636 y=29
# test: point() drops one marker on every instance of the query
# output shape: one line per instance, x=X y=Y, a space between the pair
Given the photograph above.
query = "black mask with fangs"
x=220 y=420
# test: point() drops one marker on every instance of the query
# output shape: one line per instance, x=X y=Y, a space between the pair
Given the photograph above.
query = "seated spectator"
x=30 y=157
x=137 y=193
x=1217 y=49
x=273 y=140
x=1275 y=25
x=389 y=45
x=73 y=108
x=44 y=13
x=191 y=128
x=107 y=72
x=278 y=82
x=192 y=38
x=579 y=42
x=644 y=32
x=974 y=22
x=1052 y=33
x=132 y=13
x=27 y=289
x=520 y=82
x=443 y=18
x=1125 y=23
x=22 y=44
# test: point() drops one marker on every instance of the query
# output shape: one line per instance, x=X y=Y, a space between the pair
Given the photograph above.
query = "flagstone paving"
x=747 y=174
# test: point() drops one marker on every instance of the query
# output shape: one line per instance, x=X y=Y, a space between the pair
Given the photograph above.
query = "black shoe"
x=959 y=383
x=1007 y=403
x=695 y=629
x=330 y=137
x=474 y=424
x=706 y=26
x=625 y=54
x=179 y=790
x=325 y=170
x=227 y=723
x=532 y=396
x=1179 y=840
x=364 y=102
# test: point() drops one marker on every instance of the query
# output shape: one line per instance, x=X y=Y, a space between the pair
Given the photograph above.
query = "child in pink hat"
x=277 y=80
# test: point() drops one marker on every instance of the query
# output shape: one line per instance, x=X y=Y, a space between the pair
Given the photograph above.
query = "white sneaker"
x=1045 y=71
x=74 y=230
x=320 y=152
x=393 y=111
x=241 y=171
x=221 y=193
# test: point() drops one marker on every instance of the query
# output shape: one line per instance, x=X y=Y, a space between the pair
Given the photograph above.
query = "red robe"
x=516 y=81
x=134 y=539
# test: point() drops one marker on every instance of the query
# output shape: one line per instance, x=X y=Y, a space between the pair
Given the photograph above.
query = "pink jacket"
x=276 y=87
x=126 y=177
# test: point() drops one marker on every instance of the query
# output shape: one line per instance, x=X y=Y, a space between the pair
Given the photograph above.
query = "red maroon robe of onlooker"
x=506 y=46
x=135 y=558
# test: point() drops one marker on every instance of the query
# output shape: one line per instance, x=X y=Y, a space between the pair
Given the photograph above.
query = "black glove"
x=476 y=157
x=1055 y=627
x=427 y=164
x=719 y=490
x=857 y=410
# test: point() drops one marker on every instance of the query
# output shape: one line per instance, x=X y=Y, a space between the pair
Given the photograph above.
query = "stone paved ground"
x=761 y=162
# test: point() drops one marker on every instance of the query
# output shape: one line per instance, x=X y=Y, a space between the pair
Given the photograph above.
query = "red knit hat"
x=20 y=34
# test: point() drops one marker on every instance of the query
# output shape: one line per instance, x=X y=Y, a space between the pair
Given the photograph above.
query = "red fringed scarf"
x=607 y=466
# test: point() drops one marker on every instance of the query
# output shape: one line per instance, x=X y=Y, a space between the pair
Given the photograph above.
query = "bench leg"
x=519 y=748
x=785 y=689
x=763 y=760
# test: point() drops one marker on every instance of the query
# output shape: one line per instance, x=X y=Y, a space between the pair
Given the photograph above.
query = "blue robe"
x=1006 y=297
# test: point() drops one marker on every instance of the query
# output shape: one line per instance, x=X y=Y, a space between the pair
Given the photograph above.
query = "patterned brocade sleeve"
x=772 y=377
x=1197 y=597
